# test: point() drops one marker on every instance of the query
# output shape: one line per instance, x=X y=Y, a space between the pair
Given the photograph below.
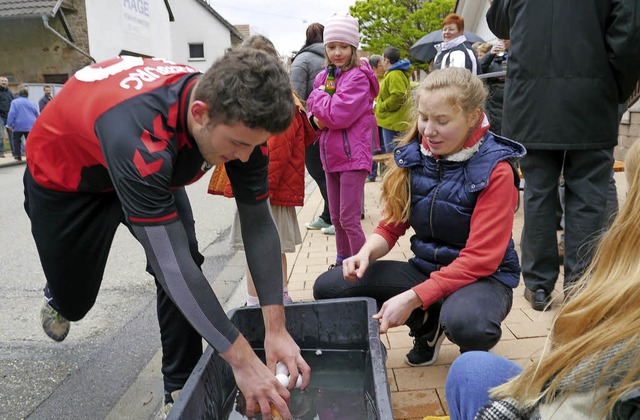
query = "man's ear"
x=200 y=112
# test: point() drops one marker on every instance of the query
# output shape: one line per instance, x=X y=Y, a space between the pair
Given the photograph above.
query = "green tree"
x=398 y=23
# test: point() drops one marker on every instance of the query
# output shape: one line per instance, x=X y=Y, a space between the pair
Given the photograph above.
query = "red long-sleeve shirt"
x=490 y=232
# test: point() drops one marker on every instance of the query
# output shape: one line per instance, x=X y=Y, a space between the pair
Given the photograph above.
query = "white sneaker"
x=54 y=325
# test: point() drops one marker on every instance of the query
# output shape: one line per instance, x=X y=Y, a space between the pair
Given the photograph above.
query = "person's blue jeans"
x=388 y=139
x=2 y=127
x=470 y=379
x=377 y=149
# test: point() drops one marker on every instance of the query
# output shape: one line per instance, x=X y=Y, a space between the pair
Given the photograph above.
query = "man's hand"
x=280 y=347
x=256 y=381
x=396 y=310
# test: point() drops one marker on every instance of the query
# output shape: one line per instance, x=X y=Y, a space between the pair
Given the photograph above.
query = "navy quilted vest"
x=443 y=196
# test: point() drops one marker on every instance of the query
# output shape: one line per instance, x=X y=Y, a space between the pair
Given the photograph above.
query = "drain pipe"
x=45 y=20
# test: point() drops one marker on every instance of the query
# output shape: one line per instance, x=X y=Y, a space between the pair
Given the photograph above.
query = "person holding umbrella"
x=454 y=51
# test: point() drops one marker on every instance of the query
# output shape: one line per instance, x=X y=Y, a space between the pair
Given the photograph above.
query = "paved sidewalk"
x=8 y=160
x=419 y=391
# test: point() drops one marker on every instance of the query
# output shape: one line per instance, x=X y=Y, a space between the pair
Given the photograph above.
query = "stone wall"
x=629 y=131
x=39 y=51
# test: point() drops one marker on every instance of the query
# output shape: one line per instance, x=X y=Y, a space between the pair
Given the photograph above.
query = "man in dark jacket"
x=5 y=103
x=571 y=63
x=45 y=98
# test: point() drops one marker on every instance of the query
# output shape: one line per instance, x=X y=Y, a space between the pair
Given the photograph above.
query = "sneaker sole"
x=436 y=352
x=54 y=336
x=46 y=322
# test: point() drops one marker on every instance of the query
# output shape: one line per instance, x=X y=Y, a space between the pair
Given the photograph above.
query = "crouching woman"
x=454 y=183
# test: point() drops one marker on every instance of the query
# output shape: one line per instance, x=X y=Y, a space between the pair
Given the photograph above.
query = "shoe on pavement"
x=332 y=266
x=317 y=224
x=425 y=348
x=169 y=401
x=331 y=230
x=540 y=300
x=54 y=325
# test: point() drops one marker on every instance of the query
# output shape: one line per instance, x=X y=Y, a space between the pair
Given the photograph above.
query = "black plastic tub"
x=340 y=324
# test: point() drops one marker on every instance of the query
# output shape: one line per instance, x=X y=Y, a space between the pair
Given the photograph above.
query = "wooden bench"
x=383 y=158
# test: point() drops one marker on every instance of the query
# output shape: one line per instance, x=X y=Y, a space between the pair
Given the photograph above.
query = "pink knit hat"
x=342 y=28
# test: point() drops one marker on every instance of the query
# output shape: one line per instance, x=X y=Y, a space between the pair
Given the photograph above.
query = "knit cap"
x=342 y=28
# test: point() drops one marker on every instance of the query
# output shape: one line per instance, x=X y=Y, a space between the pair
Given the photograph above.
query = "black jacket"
x=5 y=102
x=492 y=63
x=571 y=62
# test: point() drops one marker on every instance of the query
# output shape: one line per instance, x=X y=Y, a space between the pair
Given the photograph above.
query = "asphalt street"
x=108 y=366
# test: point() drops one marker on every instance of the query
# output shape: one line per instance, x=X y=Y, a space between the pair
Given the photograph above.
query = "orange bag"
x=218 y=180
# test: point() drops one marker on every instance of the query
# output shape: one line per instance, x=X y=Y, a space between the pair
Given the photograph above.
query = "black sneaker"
x=425 y=348
x=332 y=266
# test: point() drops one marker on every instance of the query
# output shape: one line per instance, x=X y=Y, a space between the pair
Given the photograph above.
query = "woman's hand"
x=396 y=310
x=375 y=247
x=353 y=268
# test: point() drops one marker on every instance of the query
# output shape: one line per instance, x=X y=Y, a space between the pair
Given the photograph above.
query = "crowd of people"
x=457 y=144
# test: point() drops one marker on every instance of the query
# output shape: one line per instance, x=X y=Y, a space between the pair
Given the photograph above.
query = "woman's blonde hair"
x=602 y=310
x=463 y=90
x=354 y=62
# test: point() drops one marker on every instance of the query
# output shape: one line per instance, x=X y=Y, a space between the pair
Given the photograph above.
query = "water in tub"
x=336 y=390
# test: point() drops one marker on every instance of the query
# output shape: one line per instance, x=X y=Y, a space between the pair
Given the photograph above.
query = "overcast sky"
x=284 y=22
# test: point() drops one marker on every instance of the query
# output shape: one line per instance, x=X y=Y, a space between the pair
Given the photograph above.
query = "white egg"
x=282 y=375
x=281 y=368
x=283 y=379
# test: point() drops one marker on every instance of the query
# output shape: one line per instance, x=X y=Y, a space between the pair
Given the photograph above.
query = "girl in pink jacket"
x=345 y=127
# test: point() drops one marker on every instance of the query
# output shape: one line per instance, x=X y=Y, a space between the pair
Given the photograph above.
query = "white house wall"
x=140 y=26
x=195 y=24
x=474 y=13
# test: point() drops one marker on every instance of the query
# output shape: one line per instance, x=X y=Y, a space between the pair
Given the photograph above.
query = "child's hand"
x=319 y=123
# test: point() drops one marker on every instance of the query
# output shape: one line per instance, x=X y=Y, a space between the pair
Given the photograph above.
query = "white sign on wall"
x=136 y=16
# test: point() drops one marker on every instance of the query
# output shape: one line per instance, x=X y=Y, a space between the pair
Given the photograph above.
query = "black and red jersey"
x=122 y=124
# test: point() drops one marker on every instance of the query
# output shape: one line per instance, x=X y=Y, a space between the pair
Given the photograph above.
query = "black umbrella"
x=424 y=49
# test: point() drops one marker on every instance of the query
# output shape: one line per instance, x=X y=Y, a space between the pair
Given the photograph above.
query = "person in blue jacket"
x=22 y=115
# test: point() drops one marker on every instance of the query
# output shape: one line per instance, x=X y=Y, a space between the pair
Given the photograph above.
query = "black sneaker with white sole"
x=425 y=348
